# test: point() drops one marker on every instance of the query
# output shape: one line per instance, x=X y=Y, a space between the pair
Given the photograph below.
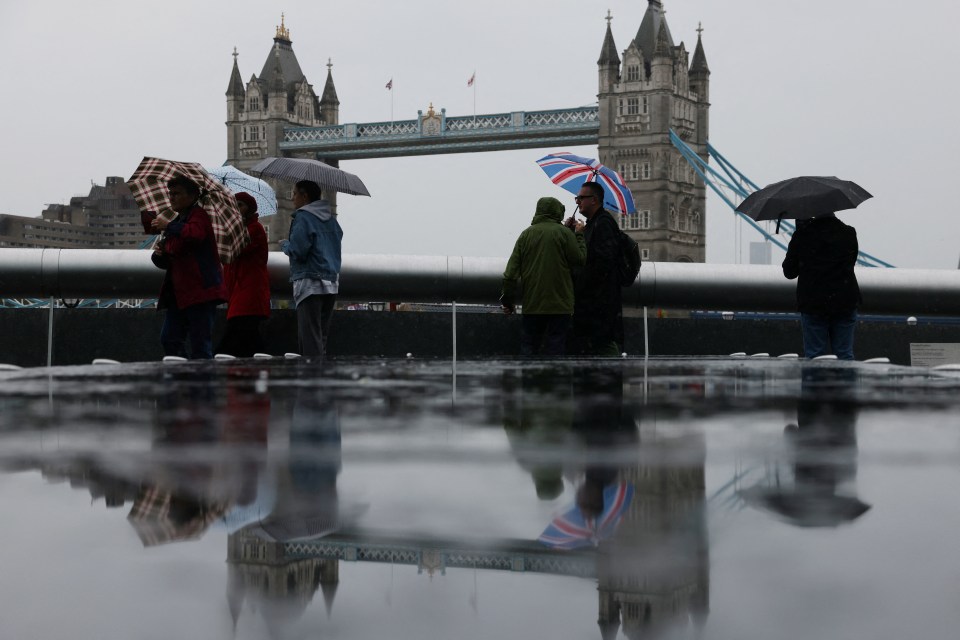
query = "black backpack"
x=629 y=267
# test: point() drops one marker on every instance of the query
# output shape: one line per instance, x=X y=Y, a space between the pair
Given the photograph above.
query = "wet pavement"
x=683 y=498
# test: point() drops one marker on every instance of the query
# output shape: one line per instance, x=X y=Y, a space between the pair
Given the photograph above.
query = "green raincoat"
x=542 y=258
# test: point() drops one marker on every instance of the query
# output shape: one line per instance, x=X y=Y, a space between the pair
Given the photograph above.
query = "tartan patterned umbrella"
x=160 y=516
x=149 y=187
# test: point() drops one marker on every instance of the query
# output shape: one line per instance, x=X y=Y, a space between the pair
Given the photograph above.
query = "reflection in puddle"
x=581 y=499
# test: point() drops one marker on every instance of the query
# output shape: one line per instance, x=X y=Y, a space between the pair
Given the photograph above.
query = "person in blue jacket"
x=313 y=246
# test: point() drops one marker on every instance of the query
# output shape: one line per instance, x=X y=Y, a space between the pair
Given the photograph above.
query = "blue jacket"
x=313 y=244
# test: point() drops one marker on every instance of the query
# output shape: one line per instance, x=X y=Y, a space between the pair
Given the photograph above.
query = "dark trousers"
x=825 y=333
x=194 y=323
x=242 y=337
x=313 y=324
x=544 y=334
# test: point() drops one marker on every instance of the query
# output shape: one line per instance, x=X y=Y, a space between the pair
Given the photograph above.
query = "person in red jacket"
x=193 y=286
x=248 y=288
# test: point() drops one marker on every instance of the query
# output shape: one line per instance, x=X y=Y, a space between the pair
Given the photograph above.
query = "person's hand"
x=578 y=227
x=570 y=223
x=507 y=309
x=158 y=225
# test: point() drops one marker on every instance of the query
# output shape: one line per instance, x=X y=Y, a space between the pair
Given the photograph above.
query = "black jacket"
x=598 y=306
x=822 y=254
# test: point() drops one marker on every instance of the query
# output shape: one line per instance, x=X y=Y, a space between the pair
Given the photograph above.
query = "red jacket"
x=248 y=284
x=194 y=274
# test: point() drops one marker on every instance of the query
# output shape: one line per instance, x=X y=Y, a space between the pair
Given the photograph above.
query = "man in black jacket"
x=598 y=305
x=822 y=253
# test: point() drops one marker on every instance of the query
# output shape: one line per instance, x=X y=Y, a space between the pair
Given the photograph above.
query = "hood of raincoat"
x=548 y=209
x=319 y=208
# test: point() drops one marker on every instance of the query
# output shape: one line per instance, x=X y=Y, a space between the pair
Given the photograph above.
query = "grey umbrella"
x=297 y=169
x=803 y=197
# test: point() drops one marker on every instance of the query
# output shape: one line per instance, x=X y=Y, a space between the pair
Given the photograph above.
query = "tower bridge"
x=655 y=87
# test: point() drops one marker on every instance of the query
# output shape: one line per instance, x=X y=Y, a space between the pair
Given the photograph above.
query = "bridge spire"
x=282 y=32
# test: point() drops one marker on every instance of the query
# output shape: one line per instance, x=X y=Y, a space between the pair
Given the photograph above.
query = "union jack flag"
x=472 y=78
x=571 y=530
x=572 y=172
x=390 y=84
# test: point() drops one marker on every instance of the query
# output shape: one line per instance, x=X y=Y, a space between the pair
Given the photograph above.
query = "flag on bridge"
x=390 y=85
x=472 y=78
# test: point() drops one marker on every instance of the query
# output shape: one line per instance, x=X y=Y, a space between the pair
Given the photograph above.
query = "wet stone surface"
x=685 y=498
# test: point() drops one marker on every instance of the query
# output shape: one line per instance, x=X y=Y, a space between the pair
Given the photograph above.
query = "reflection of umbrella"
x=161 y=516
x=149 y=187
x=807 y=508
x=237 y=181
x=802 y=198
x=571 y=530
x=296 y=169
x=571 y=172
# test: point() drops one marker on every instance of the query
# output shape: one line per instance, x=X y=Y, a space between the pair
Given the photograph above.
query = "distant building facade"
x=106 y=218
x=654 y=89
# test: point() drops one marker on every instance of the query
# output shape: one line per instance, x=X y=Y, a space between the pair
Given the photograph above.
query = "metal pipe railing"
x=105 y=273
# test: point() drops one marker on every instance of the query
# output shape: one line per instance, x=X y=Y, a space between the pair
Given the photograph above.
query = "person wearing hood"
x=313 y=246
x=542 y=259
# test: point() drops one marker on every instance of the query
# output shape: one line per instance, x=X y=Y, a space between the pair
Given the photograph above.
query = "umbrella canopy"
x=806 y=508
x=297 y=169
x=239 y=182
x=802 y=198
x=571 y=530
x=160 y=516
x=571 y=172
x=149 y=187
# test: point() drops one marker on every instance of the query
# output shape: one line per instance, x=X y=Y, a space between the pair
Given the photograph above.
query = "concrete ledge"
x=132 y=335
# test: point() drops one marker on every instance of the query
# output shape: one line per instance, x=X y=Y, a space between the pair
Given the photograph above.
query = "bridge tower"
x=655 y=88
x=258 y=111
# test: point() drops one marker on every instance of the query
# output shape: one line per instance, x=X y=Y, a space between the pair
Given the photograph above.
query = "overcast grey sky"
x=862 y=90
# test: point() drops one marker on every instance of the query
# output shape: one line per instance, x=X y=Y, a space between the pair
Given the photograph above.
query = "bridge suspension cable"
x=733 y=186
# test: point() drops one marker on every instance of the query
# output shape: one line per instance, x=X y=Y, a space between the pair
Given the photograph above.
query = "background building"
x=106 y=218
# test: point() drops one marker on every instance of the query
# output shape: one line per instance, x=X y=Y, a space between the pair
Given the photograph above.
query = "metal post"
x=50 y=335
x=453 y=308
x=646 y=336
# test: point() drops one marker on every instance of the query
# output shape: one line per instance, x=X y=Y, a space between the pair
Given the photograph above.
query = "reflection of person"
x=193 y=286
x=598 y=311
x=537 y=416
x=314 y=250
x=248 y=288
x=542 y=258
x=822 y=254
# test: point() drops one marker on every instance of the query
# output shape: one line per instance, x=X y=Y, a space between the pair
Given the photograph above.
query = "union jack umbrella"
x=148 y=184
x=571 y=530
x=571 y=172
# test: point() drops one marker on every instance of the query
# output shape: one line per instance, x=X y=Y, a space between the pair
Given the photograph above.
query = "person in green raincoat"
x=542 y=259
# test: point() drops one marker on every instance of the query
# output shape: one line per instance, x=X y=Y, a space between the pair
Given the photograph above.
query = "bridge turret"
x=329 y=103
x=235 y=91
x=661 y=65
x=609 y=62
x=700 y=85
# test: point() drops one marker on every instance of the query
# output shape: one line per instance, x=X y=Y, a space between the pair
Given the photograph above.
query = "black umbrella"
x=802 y=198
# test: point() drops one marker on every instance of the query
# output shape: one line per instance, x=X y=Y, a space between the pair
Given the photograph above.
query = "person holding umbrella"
x=248 y=288
x=193 y=285
x=598 y=307
x=821 y=256
x=313 y=247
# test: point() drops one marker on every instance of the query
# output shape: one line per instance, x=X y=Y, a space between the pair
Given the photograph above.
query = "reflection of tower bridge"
x=433 y=555
x=438 y=555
